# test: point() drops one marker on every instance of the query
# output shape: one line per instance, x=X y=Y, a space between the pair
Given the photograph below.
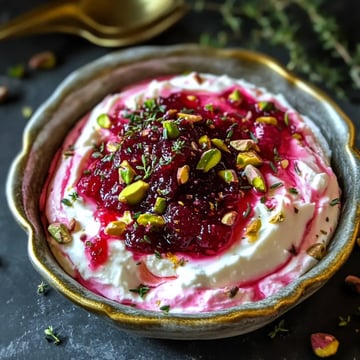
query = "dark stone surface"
x=24 y=314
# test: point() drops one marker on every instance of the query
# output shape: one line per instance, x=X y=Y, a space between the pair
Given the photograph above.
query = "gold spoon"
x=103 y=22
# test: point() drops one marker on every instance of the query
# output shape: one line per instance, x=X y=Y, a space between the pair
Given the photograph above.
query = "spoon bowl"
x=105 y=23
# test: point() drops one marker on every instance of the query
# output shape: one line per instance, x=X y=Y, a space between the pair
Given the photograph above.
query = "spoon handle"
x=37 y=21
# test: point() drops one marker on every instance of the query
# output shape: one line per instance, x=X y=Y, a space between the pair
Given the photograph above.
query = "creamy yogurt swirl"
x=277 y=230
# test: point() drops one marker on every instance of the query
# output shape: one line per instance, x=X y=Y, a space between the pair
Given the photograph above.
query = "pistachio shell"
x=134 y=193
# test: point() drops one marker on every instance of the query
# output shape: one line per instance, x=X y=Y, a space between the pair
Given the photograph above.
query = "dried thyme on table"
x=296 y=26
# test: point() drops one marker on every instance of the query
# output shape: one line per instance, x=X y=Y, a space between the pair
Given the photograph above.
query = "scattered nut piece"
x=43 y=60
x=324 y=345
x=354 y=282
x=60 y=232
x=182 y=175
x=4 y=93
x=317 y=251
x=229 y=218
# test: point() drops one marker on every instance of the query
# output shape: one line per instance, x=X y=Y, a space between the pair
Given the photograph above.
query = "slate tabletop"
x=24 y=314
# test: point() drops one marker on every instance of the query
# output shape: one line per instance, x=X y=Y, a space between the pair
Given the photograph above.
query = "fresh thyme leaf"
x=42 y=288
x=142 y=290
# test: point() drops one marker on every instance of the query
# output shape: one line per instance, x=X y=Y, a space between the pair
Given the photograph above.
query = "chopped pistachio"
x=265 y=105
x=204 y=142
x=182 y=175
x=270 y=120
x=255 y=178
x=60 y=232
x=115 y=228
x=189 y=117
x=126 y=173
x=104 y=121
x=134 y=193
x=277 y=218
x=229 y=218
x=253 y=228
x=209 y=159
x=112 y=146
x=248 y=157
x=284 y=163
x=235 y=95
x=220 y=144
x=228 y=175
x=160 y=205
x=171 y=130
x=154 y=221
x=244 y=145
x=317 y=251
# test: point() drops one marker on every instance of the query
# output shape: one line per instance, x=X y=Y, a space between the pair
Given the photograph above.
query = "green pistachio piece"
x=220 y=144
x=209 y=159
x=270 y=120
x=255 y=178
x=154 y=221
x=126 y=173
x=115 y=228
x=248 y=157
x=228 y=175
x=204 y=142
x=134 y=193
x=171 y=130
x=103 y=121
x=244 y=145
x=60 y=232
x=265 y=105
x=160 y=205
x=235 y=95
x=182 y=175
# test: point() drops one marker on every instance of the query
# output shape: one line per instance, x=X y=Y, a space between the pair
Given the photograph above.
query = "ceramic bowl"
x=86 y=87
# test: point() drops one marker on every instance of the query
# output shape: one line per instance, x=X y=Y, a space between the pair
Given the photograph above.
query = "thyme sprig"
x=51 y=335
x=279 y=328
x=298 y=27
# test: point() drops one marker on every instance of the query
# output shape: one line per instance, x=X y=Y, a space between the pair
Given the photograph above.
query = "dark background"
x=24 y=314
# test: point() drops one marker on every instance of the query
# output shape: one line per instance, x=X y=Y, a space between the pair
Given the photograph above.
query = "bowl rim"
x=130 y=318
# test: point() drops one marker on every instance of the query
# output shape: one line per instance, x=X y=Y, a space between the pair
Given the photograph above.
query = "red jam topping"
x=187 y=167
